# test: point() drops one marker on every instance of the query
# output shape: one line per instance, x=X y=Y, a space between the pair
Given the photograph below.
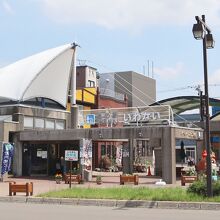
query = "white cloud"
x=131 y=14
x=7 y=7
x=170 y=72
x=215 y=77
x=214 y=84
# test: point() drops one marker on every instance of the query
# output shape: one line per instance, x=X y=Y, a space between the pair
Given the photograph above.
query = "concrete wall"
x=17 y=159
x=84 y=74
x=131 y=83
x=123 y=84
x=140 y=89
x=147 y=86
x=5 y=128
x=168 y=147
x=161 y=138
x=80 y=77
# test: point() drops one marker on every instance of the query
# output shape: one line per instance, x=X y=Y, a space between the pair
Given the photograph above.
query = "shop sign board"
x=90 y=119
x=71 y=155
x=126 y=116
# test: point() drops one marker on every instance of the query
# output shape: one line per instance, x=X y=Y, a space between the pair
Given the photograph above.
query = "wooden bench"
x=187 y=179
x=129 y=179
x=20 y=187
x=74 y=178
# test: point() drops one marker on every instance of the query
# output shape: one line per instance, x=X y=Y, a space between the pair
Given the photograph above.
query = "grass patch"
x=131 y=193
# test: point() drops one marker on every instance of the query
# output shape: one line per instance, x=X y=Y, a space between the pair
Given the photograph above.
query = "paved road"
x=21 y=211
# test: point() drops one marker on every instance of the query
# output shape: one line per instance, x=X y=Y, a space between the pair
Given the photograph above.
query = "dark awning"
x=181 y=104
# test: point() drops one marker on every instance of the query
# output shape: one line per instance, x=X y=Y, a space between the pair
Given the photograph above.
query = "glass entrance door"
x=39 y=159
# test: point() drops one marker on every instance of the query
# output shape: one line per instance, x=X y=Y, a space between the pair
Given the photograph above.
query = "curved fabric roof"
x=45 y=74
x=183 y=103
x=215 y=117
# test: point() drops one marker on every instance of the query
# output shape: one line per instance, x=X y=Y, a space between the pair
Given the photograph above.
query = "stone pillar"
x=169 y=155
x=17 y=159
x=74 y=116
x=158 y=161
x=131 y=158
x=127 y=157
x=155 y=143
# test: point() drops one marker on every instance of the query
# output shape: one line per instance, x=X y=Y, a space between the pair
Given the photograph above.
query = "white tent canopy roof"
x=45 y=74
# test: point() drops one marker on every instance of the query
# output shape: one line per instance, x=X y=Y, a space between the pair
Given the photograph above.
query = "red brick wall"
x=110 y=103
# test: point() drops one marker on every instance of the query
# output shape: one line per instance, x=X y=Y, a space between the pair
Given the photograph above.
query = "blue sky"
x=118 y=35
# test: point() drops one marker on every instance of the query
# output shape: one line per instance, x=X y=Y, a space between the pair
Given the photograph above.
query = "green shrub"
x=216 y=188
x=200 y=187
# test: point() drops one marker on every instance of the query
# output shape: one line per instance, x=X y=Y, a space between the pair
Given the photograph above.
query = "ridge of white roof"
x=45 y=74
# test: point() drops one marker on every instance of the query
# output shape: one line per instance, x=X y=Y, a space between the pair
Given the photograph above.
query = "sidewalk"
x=43 y=185
x=46 y=184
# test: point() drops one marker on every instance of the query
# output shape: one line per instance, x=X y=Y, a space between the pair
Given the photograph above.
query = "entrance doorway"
x=143 y=155
x=35 y=160
x=40 y=159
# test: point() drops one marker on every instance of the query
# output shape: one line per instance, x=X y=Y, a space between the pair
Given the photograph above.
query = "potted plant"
x=99 y=179
x=190 y=172
x=58 y=178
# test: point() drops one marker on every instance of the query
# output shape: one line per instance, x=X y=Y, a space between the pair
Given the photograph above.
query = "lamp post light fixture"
x=202 y=31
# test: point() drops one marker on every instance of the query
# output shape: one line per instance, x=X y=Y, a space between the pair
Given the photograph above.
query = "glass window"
x=39 y=123
x=5 y=117
x=103 y=150
x=60 y=125
x=50 y=124
x=91 y=83
x=109 y=153
x=28 y=122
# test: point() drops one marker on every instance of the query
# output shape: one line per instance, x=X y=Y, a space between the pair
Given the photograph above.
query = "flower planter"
x=129 y=179
x=99 y=182
x=58 y=181
x=58 y=178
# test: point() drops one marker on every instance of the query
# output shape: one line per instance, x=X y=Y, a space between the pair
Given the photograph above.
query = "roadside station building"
x=34 y=116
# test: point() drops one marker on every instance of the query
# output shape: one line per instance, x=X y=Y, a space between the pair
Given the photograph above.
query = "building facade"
x=34 y=116
x=139 y=89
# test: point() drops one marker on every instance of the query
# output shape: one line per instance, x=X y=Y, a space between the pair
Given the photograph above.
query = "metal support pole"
x=207 y=121
x=73 y=77
x=74 y=110
x=201 y=106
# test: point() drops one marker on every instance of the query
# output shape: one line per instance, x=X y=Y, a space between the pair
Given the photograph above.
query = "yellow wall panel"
x=79 y=94
x=88 y=97
x=91 y=90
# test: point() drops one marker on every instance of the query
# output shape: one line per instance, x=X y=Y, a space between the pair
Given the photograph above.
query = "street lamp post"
x=202 y=31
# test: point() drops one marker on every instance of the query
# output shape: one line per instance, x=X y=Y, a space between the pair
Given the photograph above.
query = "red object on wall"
x=148 y=171
x=204 y=154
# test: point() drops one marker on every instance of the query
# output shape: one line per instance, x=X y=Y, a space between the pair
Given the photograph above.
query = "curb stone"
x=167 y=205
x=189 y=205
x=210 y=206
x=114 y=203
